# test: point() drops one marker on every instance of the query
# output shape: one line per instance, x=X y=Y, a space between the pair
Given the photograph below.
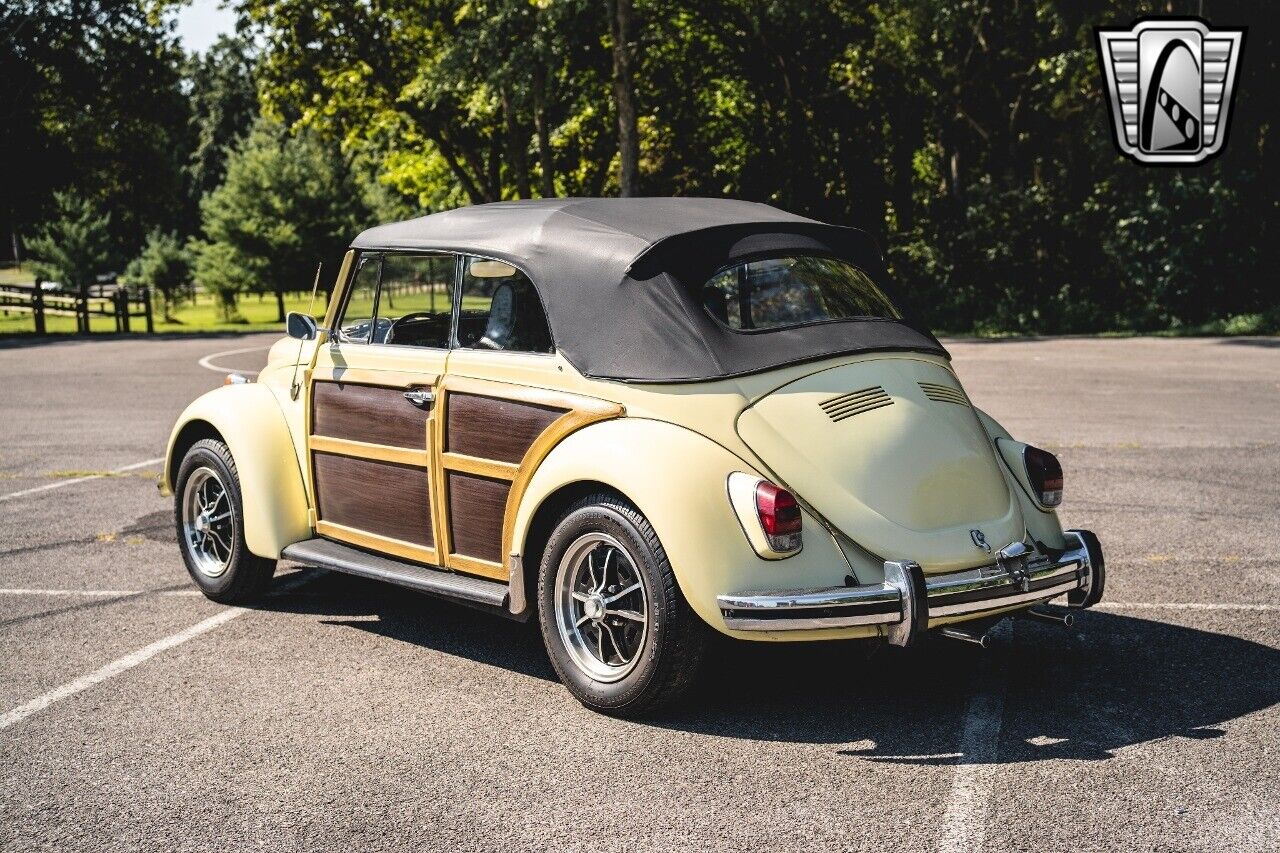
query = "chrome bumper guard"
x=907 y=600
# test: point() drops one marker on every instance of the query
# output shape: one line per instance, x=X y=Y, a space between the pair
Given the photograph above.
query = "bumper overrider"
x=907 y=600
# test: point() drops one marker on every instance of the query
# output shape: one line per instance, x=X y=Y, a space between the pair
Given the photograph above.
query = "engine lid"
x=890 y=451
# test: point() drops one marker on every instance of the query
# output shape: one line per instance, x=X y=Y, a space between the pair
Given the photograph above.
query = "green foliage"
x=225 y=272
x=164 y=266
x=287 y=202
x=75 y=245
x=92 y=103
x=224 y=104
x=970 y=138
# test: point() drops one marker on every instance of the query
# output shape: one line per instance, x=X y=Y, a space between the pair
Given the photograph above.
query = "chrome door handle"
x=420 y=397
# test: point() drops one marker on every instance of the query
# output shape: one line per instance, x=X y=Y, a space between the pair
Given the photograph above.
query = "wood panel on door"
x=371 y=467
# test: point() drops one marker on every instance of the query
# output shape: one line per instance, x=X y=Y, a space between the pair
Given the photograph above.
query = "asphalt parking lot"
x=134 y=714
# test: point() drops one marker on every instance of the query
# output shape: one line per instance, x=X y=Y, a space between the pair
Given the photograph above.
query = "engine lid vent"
x=856 y=402
x=944 y=393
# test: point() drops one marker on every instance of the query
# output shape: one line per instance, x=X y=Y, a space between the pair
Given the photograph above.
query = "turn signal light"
x=779 y=516
x=1044 y=473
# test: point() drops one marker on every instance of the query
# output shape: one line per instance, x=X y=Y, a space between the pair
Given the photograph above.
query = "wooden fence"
x=120 y=304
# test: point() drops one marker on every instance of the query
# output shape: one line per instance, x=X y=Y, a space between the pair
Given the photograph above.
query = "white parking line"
x=964 y=826
x=72 y=481
x=132 y=659
x=116 y=667
x=207 y=361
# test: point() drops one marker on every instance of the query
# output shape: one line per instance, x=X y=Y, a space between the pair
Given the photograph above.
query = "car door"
x=371 y=413
x=499 y=413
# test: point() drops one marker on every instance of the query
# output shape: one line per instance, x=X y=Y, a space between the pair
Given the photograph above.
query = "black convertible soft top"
x=619 y=279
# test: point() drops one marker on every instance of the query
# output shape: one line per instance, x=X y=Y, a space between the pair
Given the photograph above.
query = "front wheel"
x=209 y=514
x=618 y=631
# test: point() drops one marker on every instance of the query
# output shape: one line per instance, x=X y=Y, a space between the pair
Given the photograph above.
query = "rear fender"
x=248 y=419
x=679 y=480
x=1042 y=524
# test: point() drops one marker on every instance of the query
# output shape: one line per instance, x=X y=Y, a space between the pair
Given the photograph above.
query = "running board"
x=352 y=561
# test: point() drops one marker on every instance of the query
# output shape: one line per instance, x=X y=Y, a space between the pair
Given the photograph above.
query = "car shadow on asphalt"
x=1112 y=681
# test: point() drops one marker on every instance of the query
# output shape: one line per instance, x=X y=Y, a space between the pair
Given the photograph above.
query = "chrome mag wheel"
x=602 y=607
x=207 y=523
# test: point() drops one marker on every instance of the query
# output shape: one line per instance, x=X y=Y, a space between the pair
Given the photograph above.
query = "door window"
x=415 y=305
x=399 y=299
x=500 y=309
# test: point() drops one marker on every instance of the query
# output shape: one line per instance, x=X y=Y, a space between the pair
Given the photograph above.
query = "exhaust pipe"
x=980 y=640
x=1066 y=620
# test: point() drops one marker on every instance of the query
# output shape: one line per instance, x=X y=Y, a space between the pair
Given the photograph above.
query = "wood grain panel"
x=494 y=428
x=368 y=413
x=476 y=507
x=385 y=498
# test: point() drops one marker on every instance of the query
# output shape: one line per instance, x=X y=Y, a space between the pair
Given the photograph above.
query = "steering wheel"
x=412 y=315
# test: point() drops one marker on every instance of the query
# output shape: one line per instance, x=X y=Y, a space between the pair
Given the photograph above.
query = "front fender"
x=679 y=480
x=250 y=422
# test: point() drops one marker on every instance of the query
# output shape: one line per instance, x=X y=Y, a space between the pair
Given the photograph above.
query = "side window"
x=500 y=309
x=415 y=305
x=357 y=313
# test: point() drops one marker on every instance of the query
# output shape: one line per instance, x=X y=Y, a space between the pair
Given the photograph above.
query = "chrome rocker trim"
x=907 y=600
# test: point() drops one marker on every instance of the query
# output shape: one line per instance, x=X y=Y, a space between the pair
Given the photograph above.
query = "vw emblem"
x=980 y=540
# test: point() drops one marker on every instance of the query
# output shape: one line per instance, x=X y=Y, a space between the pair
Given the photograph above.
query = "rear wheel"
x=617 y=628
x=209 y=515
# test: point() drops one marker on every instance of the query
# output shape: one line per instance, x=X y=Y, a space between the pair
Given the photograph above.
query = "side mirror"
x=301 y=326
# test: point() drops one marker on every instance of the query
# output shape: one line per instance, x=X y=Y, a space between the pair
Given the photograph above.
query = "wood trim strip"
x=476 y=566
x=365 y=450
x=475 y=465
x=384 y=378
x=439 y=484
x=363 y=539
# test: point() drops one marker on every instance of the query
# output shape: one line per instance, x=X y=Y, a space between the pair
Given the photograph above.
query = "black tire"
x=246 y=575
x=675 y=639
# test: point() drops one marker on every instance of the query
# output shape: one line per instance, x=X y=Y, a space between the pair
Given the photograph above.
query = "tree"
x=225 y=272
x=286 y=203
x=92 y=102
x=224 y=105
x=447 y=97
x=74 y=246
x=164 y=266
x=621 y=28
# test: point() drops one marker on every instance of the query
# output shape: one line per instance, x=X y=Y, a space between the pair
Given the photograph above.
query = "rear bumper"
x=907 y=600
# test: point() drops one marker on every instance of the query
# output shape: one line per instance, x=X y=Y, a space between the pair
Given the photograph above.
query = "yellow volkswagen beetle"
x=637 y=421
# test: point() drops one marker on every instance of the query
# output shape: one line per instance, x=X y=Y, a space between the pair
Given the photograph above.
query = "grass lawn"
x=12 y=275
x=256 y=314
x=201 y=316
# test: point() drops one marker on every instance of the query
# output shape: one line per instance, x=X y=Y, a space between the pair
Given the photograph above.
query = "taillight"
x=779 y=516
x=1044 y=473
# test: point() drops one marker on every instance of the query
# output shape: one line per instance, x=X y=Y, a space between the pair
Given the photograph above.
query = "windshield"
x=793 y=290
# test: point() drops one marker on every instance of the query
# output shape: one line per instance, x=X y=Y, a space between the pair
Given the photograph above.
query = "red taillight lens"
x=1044 y=472
x=779 y=516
